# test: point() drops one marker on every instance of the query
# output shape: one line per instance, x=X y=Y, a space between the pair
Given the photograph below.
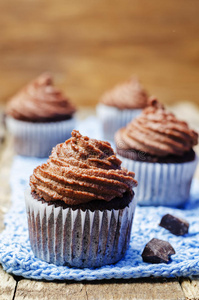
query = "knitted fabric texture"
x=16 y=255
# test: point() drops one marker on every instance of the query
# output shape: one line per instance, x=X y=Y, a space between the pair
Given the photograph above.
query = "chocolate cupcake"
x=120 y=105
x=159 y=148
x=39 y=117
x=80 y=206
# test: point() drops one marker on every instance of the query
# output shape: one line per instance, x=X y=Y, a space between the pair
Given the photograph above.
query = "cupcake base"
x=145 y=157
x=166 y=184
x=78 y=238
x=38 y=139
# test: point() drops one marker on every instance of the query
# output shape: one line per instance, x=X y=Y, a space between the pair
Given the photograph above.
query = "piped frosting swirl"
x=129 y=95
x=40 y=101
x=81 y=170
x=157 y=132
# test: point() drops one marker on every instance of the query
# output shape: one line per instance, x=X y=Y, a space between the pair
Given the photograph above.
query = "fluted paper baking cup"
x=113 y=118
x=38 y=139
x=166 y=184
x=78 y=238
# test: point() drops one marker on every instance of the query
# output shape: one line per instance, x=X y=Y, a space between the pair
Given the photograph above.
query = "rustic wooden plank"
x=6 y=156
x=149 y=289
x=1 y=219
x=92 y=45
x=7 y=285
x=36 y=290
x=190 y=288
x=2 y=134
x=2 y=130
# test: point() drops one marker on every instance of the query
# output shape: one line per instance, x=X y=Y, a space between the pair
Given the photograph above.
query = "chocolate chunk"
x=175 y=225
x=157 y=251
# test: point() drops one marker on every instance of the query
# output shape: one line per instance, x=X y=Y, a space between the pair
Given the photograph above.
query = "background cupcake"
x=120 y=105
x=39 y=116
x=80 y=207
x=158 y=147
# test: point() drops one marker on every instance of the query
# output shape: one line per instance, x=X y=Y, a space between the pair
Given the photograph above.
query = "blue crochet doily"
x=16 y=256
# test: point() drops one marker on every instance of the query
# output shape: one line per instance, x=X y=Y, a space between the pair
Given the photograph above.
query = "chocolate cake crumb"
x=116 y=203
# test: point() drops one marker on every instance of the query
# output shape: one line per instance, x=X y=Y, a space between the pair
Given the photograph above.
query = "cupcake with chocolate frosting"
x=39 y=116
x=120 y=105
x=80 y=205
x=159 y=147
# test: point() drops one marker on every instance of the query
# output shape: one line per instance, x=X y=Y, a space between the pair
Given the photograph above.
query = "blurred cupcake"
x=80 y=207
x=39 y=117
x=120 y=105
x=158 y=147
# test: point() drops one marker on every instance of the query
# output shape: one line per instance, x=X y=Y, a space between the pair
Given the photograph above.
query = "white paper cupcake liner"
x=38 y=139
x=113 y=119
x=166 y=184
x=77 y=238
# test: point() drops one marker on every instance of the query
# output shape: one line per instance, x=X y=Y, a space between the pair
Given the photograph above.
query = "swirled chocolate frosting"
x=81 y=170
x=157 y=132
x=40 y=101
x=129 y=95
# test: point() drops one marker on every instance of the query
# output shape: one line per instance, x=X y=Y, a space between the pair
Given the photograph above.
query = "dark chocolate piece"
x=157 y=251
x=174 y=224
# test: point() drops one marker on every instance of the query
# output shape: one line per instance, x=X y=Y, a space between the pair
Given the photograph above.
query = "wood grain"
x=93 y=44
x=36 y=290
x=6 y=156
x=190 y=288
x=7 y=285
x=145 y=289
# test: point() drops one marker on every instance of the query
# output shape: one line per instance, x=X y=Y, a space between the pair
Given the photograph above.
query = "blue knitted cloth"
x=16 y=256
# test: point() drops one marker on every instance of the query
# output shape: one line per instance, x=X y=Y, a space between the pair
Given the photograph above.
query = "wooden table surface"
x=18 y=288
x=92 y=45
